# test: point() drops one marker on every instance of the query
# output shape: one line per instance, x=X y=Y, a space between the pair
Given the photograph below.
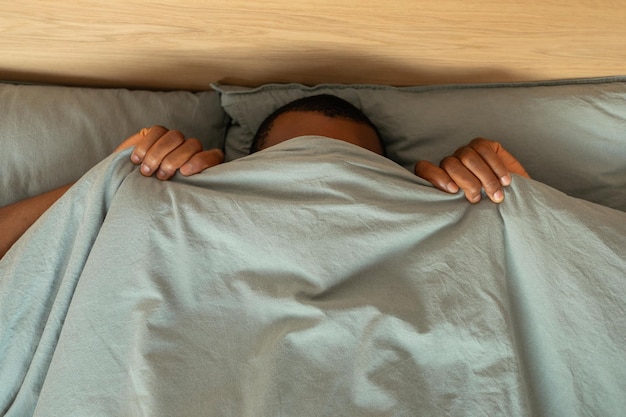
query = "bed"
x=314 y=277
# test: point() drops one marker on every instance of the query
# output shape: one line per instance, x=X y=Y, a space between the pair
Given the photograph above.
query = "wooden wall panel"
x=190 y=43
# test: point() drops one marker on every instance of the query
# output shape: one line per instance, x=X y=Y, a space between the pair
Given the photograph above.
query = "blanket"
x=314 y=278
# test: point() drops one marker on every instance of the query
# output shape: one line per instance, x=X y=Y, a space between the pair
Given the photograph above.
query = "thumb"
x=133 y=140
x=509 y=161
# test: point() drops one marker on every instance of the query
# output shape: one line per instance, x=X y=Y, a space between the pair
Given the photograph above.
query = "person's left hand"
x=482 y=164
x=162 y=151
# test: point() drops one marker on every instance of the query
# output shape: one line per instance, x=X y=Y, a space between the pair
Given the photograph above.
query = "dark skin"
x=481 y=164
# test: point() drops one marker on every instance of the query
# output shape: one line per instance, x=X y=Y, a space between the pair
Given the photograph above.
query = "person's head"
x=320 y=115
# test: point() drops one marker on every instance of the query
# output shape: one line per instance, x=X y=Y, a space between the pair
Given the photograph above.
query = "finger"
x=177 y=158
x=436 y=176
x=201 y=161
x=148 y=137
x=491 y=152
x=479 y=168
x=159 y=150
x=511 y=164
x=462 y=177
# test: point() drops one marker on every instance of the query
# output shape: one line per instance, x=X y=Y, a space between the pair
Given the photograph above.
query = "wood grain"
x=190 y=43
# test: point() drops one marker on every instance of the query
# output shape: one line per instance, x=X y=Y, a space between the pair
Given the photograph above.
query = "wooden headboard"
x=190 y=43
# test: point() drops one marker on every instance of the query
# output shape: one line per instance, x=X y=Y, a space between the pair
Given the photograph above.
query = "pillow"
x=51 y=135
x=569 y=134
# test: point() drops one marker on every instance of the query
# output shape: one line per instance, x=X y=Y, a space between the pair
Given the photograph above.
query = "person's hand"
x=162 y=151
x=482 y=164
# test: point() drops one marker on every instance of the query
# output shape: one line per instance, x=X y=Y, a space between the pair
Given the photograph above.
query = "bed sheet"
x=312 y=278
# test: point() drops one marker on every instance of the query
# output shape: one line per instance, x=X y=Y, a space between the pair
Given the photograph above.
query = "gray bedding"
x=312 y=279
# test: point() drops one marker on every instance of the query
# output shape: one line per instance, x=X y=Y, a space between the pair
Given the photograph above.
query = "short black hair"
x=326 y=104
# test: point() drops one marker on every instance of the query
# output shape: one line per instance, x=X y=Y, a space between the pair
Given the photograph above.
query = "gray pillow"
x=569 y=134
x=51 y=135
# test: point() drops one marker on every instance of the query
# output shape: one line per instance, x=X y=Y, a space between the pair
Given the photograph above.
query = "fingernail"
x=498 y=196
x=135 y=158
x=161 y=173
x=145 y=169
x=452 y=187
x=185 y=169
x=505 y=180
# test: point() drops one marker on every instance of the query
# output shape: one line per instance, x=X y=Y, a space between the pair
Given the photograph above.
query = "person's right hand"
x=162 y=152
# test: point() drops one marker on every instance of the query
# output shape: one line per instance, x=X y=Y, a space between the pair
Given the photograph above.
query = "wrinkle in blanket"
x=313 y=278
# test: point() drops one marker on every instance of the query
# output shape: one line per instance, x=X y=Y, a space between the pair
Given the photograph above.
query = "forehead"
x=311 y=122
x=304 y=123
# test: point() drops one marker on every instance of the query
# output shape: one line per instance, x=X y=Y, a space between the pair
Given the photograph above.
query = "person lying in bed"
x=481 y=164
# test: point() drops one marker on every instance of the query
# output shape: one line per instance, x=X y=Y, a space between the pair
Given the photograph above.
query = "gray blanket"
x=312 y=279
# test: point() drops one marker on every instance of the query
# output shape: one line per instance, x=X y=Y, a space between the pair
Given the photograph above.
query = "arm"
x=16 y=218
x=157 y=149
x=482 y=164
